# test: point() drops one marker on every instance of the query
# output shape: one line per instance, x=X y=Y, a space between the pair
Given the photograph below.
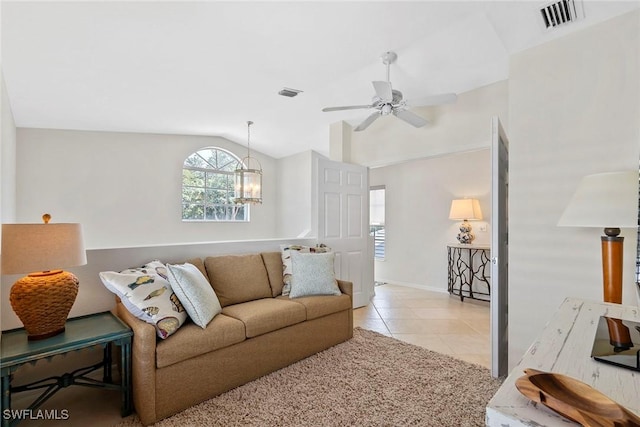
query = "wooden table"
x=565 y=347
x=81 y=332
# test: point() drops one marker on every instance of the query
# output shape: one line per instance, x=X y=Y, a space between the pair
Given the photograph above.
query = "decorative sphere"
x=465 y=238
x=465 y=227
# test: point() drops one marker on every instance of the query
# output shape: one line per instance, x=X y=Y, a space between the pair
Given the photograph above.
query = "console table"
x=101 y=329
x=469 y=271
x=565 y=347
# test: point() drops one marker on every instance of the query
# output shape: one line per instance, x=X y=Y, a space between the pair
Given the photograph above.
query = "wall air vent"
x=561 y=13
x=288 y=92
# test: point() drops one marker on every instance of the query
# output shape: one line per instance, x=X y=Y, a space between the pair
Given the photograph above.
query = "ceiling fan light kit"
x=391 y=101
x=389 y=58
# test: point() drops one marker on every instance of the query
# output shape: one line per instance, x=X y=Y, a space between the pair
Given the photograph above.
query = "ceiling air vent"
x=285 y=91
x=561 y=12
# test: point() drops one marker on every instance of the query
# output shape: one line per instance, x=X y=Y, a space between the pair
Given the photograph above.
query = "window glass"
x=207 y=187
x=376 y=220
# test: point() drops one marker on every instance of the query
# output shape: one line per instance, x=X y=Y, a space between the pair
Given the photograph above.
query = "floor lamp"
x=608 y=201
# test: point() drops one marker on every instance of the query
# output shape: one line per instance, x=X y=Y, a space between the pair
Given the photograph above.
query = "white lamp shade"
x=462 y=209
x=604 y=200
x=27 y=248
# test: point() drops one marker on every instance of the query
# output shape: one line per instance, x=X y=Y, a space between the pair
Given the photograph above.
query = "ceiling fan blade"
x=372 y=118
x=410 y=118
x=443 y=98
x=383 y=90
x=348 y=107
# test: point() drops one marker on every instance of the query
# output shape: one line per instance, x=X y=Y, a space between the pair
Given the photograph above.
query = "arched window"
x=207 y=187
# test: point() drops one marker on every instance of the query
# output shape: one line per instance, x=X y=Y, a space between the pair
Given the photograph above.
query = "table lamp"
x=609 y=201
x=42 y=299
x=465 y=209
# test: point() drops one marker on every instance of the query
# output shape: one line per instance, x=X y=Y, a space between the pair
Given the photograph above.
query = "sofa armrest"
x=346 y=287
x=143 y=364
x=144 y=333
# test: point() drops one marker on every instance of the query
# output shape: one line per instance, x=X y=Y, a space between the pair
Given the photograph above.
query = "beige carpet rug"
x=371 y=380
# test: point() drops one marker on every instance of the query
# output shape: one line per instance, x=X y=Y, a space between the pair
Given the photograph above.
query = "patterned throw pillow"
x=286 y=251
x=313 y=274
x=195 y=293
x=147 y=294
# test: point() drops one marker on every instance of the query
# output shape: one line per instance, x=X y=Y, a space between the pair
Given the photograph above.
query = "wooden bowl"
x=575 y=400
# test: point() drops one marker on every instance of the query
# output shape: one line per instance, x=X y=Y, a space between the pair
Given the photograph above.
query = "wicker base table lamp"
x=42 y=299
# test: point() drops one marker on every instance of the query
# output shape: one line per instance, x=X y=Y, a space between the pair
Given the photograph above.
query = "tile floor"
x=429 y=319
x=432 y=320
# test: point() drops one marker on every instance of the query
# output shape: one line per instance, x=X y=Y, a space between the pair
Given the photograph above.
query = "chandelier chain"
x=249 y=123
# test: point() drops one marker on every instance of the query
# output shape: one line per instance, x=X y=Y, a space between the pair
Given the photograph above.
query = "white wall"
x=463 y=126
x=7 y=167
x=340 y=134
x=294 y=198
x=298 y=195
x=125 y=188
x=418 y=228
x=574 y=109
x=7 y=158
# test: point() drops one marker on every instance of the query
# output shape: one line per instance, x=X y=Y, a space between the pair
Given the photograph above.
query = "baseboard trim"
x=413 y=285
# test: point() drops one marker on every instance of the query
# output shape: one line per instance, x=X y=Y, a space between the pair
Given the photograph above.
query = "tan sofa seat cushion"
x=273 y=263
x=321 y=305
x=266 y=315
x=238 y=278
x=191 y=340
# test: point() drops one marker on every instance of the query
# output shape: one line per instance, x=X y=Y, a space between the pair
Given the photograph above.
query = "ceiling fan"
x=390 y=101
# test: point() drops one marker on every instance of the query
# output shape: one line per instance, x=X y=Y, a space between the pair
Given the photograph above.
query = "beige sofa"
x=259 y=331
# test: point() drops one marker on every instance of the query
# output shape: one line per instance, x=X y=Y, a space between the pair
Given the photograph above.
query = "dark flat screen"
x=617 y=342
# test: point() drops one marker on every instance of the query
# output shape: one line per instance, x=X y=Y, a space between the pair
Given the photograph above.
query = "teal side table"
x=81 y=332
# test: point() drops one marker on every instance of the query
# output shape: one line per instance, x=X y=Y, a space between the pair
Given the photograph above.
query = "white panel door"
x=343 y=223
x=499 y=249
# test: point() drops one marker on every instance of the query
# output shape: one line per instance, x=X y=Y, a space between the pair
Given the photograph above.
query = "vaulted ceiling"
x=205 y=68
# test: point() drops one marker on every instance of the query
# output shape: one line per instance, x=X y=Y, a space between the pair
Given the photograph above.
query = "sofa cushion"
x=238 y=278
x=313 y=274
x=285 y=254
x=191 y=340
x=198 y=263
x=322 y=305
x=147 y=294
x=194 y=292
x=273 y=263
x=266 y=315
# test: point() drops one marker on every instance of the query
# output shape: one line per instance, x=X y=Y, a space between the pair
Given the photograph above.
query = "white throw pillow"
x=313 y=274
x=147 y=294
x=285 y=251
x=194 y=292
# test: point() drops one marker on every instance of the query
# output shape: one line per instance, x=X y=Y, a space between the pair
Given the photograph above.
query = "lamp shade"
x=41 y=247
x=462 y=209
x=604 y=200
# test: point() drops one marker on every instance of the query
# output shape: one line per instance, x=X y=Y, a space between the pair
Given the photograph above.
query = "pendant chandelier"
x=248 y=178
